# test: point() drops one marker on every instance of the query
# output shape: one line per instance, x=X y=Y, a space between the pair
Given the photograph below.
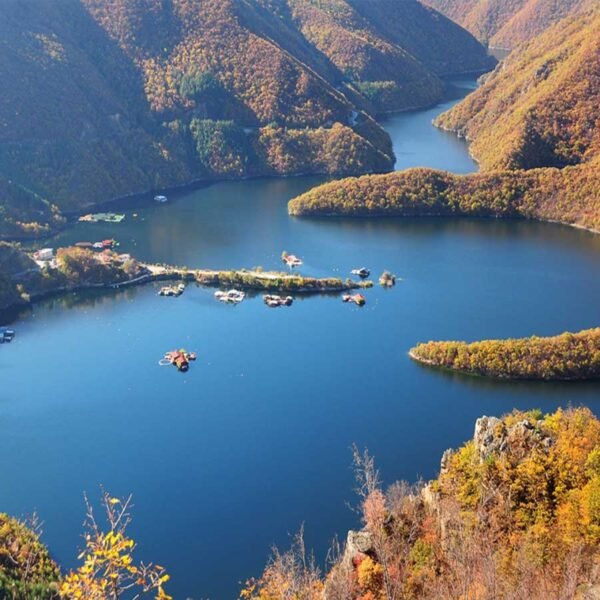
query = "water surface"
x=231 y=457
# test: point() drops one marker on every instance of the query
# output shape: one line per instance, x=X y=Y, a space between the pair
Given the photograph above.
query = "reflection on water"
x=254 y=440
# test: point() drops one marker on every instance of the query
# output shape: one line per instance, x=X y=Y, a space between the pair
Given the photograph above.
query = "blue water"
x=235 y=455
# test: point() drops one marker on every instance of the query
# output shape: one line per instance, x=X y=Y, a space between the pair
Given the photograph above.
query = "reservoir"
x=254 y=441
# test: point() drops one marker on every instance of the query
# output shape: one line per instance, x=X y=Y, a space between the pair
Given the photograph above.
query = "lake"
x=254 y=440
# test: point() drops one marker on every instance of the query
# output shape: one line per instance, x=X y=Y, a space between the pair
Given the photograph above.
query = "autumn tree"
x=108 y=570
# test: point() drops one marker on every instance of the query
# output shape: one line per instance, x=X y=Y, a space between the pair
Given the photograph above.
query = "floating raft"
x=102 y=217
x=357 y=299
x=178 y=358
x=387 y=279
x=172 y=291
x=230 y=297
x=274 y=301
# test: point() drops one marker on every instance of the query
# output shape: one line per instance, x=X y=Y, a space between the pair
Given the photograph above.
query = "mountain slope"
x=507 y=23
x=548 y=96
x=110 y=97
x=534 y=127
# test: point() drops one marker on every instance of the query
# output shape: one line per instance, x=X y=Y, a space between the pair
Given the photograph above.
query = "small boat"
x=97 y=246
x=161 y=199
x=179 y=358
x=358 y=299
x=291 y=260
x=274 y=301
x=109 y=244
x=387 y=279
x=6 y=335
x=363 y=272
x=172 y=290
x=230 y=297
x=84 y=245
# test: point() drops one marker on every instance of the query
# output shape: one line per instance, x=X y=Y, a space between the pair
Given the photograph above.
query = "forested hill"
x=103 y=98
x=548 y=94
x=507 y=23
x=534 y=127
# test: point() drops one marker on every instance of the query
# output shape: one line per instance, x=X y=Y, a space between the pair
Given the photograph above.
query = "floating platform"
x=102 y=218
x=357 y=299
x=172 y=291
x=274 y=301
x=230 y=297
x=179 y=358
x=387 y=279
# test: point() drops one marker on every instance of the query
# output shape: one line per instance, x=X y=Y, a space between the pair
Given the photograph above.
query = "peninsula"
x=74 y=269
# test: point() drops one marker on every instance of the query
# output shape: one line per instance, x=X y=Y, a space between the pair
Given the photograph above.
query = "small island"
x=566 y=357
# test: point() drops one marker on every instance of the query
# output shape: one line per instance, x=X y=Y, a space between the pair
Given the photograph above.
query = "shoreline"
x=501 y=378
x=385 y=216
x=144 y=197
x=267 y=281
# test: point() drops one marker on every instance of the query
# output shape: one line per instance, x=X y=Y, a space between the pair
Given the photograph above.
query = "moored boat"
x=6 y=335
x=363 y=272
x=291 y=260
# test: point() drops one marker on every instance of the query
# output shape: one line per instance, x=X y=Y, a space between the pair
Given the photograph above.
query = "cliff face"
x=104 y=98
x=512 y=514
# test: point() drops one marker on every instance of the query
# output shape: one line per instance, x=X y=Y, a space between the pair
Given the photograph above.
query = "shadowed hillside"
x=105 y=98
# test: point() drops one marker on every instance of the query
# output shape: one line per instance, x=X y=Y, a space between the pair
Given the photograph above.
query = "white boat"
x=6 y=335
x=362 y=272
x=291 y=260
x=161 y=199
